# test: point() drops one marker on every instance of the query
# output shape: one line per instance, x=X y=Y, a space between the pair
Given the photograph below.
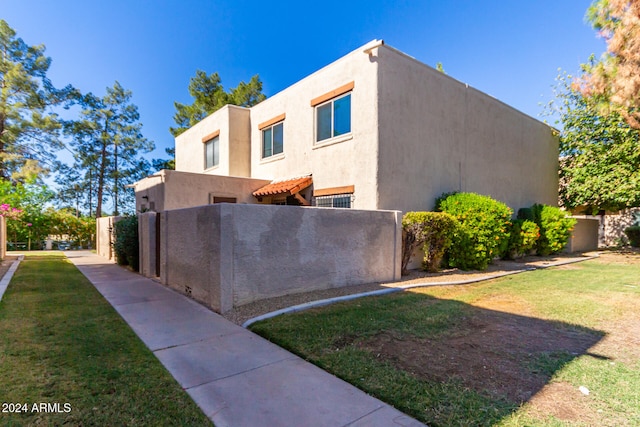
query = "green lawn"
x=507 y=352
x=62 y=343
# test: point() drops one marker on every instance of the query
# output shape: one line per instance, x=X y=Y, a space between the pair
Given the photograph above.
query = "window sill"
x=212 y=168
x=273 y=158
x=332 y=141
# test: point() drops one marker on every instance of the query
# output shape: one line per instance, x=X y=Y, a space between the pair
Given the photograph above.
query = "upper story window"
x=272 y=136
x=333 y=113
x=211 y=149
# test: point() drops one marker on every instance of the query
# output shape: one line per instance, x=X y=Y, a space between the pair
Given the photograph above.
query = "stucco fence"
x=105 y=236
x=227 y=255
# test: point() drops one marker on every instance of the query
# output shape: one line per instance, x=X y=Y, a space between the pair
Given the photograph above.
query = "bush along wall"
x=523 y=236
x=126 y=243
x=433 y=231
x=484 y=229
x=633 y=233
x=555 y=227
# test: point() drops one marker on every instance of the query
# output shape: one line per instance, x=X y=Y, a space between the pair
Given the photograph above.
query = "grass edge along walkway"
x=63 y=345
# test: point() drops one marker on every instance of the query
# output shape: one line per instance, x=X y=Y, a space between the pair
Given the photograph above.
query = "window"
x=272 y=140
x=333 y=118
x=212 y=152
x=217 y=199
x=334 y=201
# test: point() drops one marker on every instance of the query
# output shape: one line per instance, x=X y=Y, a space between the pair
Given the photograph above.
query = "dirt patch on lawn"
x=505 y=355
x=514 y=356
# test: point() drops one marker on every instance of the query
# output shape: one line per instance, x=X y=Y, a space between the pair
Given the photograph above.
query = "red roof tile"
x=288 y=186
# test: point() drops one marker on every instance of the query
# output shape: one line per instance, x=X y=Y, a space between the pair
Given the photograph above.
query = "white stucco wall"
x=233 y=122
x=439 y=135
x=342 y=161
x=416 y=133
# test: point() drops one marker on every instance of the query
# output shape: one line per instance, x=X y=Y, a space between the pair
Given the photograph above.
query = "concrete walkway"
x=236 y=377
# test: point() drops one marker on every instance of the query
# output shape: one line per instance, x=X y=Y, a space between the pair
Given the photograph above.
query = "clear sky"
x=510 y=49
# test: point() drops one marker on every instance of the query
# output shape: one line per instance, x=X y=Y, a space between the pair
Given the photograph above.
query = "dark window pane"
x=342 y=201
x=266 y=143
x=342 y=116
x=278 y=139
x=323 y=122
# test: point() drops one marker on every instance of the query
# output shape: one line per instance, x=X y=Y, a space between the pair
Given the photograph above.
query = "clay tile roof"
x=292 y=186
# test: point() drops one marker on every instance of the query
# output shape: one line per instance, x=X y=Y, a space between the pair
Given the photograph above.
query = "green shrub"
x=633 y=233
x=523 y=237
x=484 y=229
x=125 y=243
x=555 y=227
x=433 y=230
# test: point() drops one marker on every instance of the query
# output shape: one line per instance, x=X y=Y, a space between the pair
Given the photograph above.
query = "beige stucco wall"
x=584 y=236
x=228 y=255
x=416 y=133
x=147 y=239
x=104 y=236
x=169 y=189
x=341 y=161
x=439 y=135
x=233 y=122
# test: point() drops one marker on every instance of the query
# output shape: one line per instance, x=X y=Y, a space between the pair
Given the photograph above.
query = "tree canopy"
x=107 y=141
x=614 y=80
x=29 y=128
x=209 y=96
x=599 y=154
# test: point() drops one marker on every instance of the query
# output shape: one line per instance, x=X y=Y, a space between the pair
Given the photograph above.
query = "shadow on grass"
x=442 y=361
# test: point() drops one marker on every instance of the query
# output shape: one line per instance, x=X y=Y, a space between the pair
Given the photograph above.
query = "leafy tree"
x=159 y=164
x=615 y=78
x=600 y=153
x=107 y=141
x=210 y=96
x=29 y=129
x=27 y=221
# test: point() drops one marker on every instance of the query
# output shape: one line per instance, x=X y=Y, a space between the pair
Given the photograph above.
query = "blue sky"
x=509 y=49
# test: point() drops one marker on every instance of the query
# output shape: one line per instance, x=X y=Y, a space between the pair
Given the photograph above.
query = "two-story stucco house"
x=375 y=129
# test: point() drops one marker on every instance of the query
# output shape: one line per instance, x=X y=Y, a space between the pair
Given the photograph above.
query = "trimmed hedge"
x=484 y=229
x=126 y=243
x=633 y=233
x=555 y=227
x=523 y=236
x=433 y=231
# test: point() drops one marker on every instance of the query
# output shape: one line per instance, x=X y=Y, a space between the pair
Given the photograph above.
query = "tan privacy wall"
x=104 y=236
x=584 y=236
x=227 y=255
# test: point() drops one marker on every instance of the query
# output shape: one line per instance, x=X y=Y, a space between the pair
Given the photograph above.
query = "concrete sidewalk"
x=236 y=377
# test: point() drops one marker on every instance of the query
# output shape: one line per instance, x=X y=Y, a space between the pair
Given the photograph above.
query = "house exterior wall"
x=415 y=134
x=228 y=255
x=439 y=135
x=340 y=161
x=169 y=189
x=233 y=122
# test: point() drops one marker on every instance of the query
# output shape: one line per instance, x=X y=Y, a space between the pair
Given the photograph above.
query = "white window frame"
x=271 y=128
x=332 y=102
x=215 y=160
x=333 y=198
